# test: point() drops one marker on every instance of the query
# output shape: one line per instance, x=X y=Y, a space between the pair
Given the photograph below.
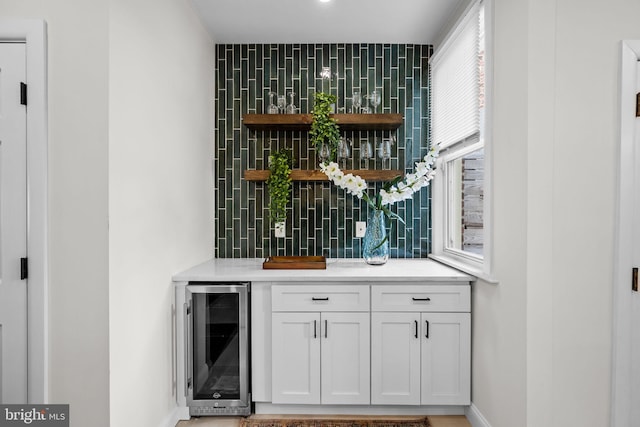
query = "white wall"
x=130 y=188
x=542 y=346
x=499 y=315
x=78 y=276
x=161 y=73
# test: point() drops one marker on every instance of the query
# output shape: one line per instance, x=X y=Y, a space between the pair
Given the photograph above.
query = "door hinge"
x=23 y=93
x=24 y=268
x=634 y=279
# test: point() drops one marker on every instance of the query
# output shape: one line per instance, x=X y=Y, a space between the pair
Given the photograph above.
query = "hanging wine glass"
x=282 y=103
x=374 y=98
x=291 y=108
x=272 y=108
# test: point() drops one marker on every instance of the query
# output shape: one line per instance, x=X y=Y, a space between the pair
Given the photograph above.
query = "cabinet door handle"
x=416 y=334
x=315 y=329
x=421 y=299
x=319 y=299
x=426 y=335
x=325 y=327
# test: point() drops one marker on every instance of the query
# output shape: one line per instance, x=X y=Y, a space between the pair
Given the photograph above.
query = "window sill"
x=465 y=267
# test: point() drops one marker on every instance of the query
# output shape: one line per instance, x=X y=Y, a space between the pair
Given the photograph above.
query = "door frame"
x=34 y=34
x=623 y=257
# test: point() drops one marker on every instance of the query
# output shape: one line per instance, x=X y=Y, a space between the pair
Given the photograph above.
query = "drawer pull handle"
x=421 y=299
x=416 y=334
x=427 y=334
x=319 y=299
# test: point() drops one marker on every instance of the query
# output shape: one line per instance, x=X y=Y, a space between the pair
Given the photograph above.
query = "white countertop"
x=250 y=269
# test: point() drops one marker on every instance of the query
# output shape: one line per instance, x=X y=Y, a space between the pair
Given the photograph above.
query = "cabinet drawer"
x=319 y=298
x=436 y=298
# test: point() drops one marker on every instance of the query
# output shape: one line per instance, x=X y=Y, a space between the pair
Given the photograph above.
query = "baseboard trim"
x=178 y=414
x=270 y=408
x=475 y=417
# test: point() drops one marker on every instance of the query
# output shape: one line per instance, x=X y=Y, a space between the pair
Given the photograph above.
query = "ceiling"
x=338 y=21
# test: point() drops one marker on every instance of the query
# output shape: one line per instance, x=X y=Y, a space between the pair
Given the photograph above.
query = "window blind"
x=454 y=77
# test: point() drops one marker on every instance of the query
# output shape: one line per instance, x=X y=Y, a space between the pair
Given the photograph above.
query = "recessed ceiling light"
x=325 y=1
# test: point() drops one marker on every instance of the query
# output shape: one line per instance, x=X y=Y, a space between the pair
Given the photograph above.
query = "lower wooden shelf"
x=318 y=175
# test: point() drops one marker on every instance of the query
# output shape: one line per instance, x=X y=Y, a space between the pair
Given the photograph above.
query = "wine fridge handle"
x=187 y=349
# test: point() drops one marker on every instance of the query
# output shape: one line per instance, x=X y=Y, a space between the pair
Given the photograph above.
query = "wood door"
x=345 y=361
x=395 y=358
x=446 y=358
x=295 y=369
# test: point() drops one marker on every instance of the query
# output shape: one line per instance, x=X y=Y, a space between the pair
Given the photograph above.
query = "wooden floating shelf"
x=303 y=121
x=318 y=175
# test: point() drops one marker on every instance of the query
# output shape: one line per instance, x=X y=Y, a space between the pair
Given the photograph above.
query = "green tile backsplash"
x=320 y=218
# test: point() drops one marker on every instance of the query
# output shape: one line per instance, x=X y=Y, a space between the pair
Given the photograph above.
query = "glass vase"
x=376 y=243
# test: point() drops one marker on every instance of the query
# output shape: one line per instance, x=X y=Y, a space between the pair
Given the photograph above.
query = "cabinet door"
x=345 y=358
x=446 y=358
x=295 y=367
x=395 y=359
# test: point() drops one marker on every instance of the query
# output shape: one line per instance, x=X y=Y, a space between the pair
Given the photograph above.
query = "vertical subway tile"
x=320 y=217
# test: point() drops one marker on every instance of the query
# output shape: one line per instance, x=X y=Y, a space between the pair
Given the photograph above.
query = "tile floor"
x=436 y=421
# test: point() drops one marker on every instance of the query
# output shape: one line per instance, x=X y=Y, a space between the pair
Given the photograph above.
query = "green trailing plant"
x=324 y=129
x=279 y=184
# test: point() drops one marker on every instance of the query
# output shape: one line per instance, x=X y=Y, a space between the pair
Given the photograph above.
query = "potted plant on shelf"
x=279 y=185
x=324 y=133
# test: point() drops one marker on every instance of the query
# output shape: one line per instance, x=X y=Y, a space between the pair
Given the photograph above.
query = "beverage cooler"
x=215 y=343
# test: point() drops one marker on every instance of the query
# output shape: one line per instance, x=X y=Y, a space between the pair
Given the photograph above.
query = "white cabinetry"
x=320 y=344
x=421 y=350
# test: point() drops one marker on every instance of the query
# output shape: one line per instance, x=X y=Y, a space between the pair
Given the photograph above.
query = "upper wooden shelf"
x=318 y=175
x=303 y=121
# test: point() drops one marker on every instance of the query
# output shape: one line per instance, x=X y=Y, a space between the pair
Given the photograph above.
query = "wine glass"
x=366 y=151
x=324 y=153
x=384 y=150
x=282 y=103
x=365 y=109
x=374 y=98
x=291 y=108
x=325 y=76
x=272 y=108
x=344 y=150
x=356 y=100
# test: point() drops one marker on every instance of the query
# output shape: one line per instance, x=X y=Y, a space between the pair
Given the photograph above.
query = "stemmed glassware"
x=282 y=103
x=272 y=108
x=384 y=149
x=366 y=151
x=344 y=150
x=374 y=99
x=356 y=100
x=291 y=108
x=324 y=153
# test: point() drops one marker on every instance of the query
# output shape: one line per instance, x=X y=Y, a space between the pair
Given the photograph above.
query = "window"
x=457 y=72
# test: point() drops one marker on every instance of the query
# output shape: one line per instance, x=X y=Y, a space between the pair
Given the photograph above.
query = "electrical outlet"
x=361 y=228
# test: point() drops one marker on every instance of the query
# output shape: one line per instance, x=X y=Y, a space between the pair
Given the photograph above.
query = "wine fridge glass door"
x=218 y=345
